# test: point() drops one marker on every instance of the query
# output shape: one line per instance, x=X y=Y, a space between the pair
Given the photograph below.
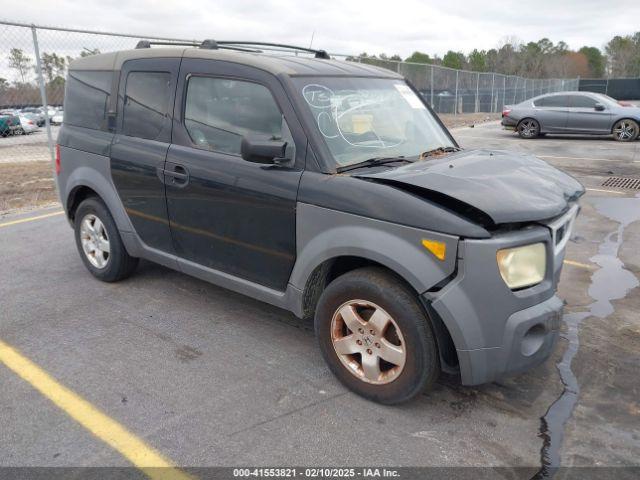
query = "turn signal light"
x=439 y=249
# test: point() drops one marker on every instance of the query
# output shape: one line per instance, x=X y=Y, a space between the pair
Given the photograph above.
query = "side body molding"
x=323 y=234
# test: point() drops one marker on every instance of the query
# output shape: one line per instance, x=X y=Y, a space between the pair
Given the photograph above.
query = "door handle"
x=176 y=175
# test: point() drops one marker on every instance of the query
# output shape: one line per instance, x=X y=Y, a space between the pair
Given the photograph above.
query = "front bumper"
x=497 y=331
x=529 y=338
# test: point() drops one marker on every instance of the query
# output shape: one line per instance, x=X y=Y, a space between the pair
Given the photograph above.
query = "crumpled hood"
x=507 y=186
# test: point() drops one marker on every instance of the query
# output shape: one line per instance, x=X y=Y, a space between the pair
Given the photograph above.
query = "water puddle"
x=610 y=282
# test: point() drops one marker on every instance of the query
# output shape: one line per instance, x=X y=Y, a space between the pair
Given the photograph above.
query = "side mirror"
x=263 y=149
x=599 y=107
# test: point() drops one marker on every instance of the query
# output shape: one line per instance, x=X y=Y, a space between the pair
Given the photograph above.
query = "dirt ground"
x=26 y=185
x=467 y=119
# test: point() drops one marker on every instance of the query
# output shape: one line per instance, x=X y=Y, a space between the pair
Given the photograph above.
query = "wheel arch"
x=619 y=119
x=76 y=196
x=529 y=117
x=326 y=272
x=332 y=268
x=89 y=180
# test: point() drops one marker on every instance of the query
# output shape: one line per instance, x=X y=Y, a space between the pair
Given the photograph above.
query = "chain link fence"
x=34 y=61
x=451 y=91
x=618 y=88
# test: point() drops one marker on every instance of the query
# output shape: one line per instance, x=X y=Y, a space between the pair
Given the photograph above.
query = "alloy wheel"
x=625 y=130
x=95 y=241
x=368 y=342
x=528 y=128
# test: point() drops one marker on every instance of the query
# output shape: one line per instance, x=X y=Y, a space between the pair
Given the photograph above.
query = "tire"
x=377 y=298
x=99 y=242
x=626 y=130
x=528 y=128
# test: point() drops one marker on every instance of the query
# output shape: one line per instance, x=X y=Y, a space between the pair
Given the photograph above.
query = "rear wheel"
x=626 y=130
x=528 y=128
x=99 y=242
x=376 y=337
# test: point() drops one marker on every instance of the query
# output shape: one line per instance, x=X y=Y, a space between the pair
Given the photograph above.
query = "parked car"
x=9 y=124
x=573 y=112
x=38 y=115
x=58 y=118
x=326 y=188
x=27 y=124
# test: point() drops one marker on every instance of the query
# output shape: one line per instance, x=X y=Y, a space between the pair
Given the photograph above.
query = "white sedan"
x=57 y=118
x=27 y=124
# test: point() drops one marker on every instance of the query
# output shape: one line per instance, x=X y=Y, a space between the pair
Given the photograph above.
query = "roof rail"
x=317 y=53
x=148 y=43
x=206 y=44
x=211 y=44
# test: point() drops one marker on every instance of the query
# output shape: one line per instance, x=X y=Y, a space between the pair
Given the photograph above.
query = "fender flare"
x=96 y=179
x=324 y=234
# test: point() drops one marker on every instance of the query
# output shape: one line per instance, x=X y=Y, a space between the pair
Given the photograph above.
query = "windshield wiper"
x=372 y=162
x=439 y=151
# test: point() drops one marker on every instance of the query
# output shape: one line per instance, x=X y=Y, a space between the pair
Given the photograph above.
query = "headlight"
x=522 y=266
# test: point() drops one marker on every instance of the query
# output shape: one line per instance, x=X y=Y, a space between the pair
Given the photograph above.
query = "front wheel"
x=99 y=242
x=626 y=130
x=528 y=128
x=375 y=336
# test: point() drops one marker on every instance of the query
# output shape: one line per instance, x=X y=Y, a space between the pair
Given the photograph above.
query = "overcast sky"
x=349 y=26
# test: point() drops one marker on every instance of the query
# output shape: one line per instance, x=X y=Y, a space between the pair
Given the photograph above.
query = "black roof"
x=277 y=64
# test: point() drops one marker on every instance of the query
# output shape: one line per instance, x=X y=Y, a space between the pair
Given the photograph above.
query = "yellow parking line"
x=579 y=265
x=30 y=219
x=577 y=158
x=605 y=191
x=144 y=457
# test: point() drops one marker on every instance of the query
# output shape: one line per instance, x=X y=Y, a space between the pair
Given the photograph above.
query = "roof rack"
x=148 y=44
x=207 y=44
x=210 y=44
x=317 y=53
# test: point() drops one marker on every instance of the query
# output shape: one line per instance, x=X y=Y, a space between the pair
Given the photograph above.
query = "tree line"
x=541 y=59
x=24 y=90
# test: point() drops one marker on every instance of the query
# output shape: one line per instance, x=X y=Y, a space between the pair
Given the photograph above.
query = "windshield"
x=364 y=118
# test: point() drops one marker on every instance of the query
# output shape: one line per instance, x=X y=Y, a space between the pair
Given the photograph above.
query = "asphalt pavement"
x=207 y=377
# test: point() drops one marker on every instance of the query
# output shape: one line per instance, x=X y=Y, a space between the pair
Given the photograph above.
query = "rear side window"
x=553 y=101
x=87 y=98
x=146 y=104
x=582 y=101
x=219 y=112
